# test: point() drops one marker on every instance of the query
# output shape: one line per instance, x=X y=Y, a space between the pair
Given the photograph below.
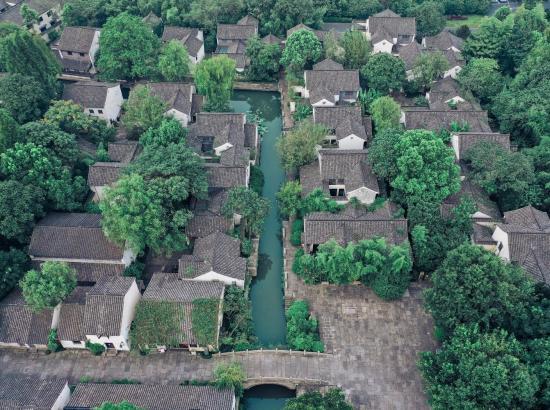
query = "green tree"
x=478 y=370
x=332 y=48
x=168 y=132
x=538 y=351
x=334 y=399
x=286 y=14
x=84 y=13
x=264 y=60
x=384 y=73
x=488 y=40
x=9 y=130
x=23 y=97
x=20 y=205
x=302 y=329
x=214 y=78
x=429 y=18
x=289 y=197
x=383 y=152
x=142 y=111
x=540 y=156
x=129 y=49
x=297 y=147
x=237 y=330
x=30 y=16
x=474 y=286
x=13 y=265
x=386 y=113
x=357 y=49
x=123 y=405
x=61 y=144
x=230 y=376
x=174 y=61
x=47 y=287
x=302 y=49
x=250 y=206
x=428 y=67
x=26 y=54
x=482 y=77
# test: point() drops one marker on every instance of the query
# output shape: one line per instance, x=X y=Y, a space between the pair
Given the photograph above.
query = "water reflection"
x=266 y=397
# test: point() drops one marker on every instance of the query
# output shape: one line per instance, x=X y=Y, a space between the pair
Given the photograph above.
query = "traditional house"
x=21 y=392
x=328 y=84
x=182 y=294
x=22 y=327
x=445 y=40
x=456 y=62
x=77 y=238
x=320 y=34
x=341 y=175
x=524 y=238
x=103 y=100
x=191 y=38
x=487 y=212
x=354 y=224
x=122 y=150
x=48 y=12
x=445 y=94
x=409 y=53
x=271 y=39
x=463 y=141
x=466 y=121
x=89 y=396
x=216 y=257
x=231 y=40
x=77 y=48
x=386 y=29
x=100 y=314
x=207 y=215
x=347 y=128
x=181 y=99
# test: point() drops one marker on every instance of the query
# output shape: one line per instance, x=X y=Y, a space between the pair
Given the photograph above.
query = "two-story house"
x=48 y=12
x=191 y=38
x=77 y=48
x=231 y=40
x=347 y=128
x=387 y=29
x=180 y=98
x=103 y=100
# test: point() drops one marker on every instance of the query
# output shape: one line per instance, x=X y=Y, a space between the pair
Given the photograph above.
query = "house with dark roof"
x=122 y=150
x=524 y=239
x=77 y=48
x=22 y=392
x=442 y=41
x=328 y=84
x=446 y=94
x=216 y=257
x=347 y=127
x=456 y=62
x=48 y=15
x=341 y=175
x=207 y=215
x=99 y=314
x=354 y=224
x=87 y=396
x=386 y=29
x=231 y=40
x=463 y=141
x=409 y=53
x=191 y=38
x=22 y=327
x=76 y=238
x=272 y=39
x=103 y=100
x=182 y=295
x=487 y=211
x=436 y=120
x=181 y=100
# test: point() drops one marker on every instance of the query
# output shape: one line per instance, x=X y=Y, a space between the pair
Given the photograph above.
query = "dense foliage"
x=252 y=208
x=230 y=376
x=13 y=265
x=334 y=399
x=264 y=60
x=204 y=322
x=123 y=405
x=291 y=202
x=214 y=79
x=302 y=331
x=385 y=113
x=302 y=49
x=297 y=147
x=142 y=111
x=174 y=61
x=23 y=97
x=237 y=329
x=384 y=73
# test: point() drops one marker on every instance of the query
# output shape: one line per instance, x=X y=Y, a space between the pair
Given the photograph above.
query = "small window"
x=207 y=145
x=332 y=181
x=91 y=111
x=100 y=111
x=70 y=53
x=40 y=18
x=49 y=13
x=81 y=54
x=500 y=246
x=77 y=342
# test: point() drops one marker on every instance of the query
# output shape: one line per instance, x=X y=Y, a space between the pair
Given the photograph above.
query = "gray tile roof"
x=205 y=223
x=73 y=236
x=123 y=150
x=78 y=66
x=409 y=53
x=88 y=94
x=392 y=25
x=328 y=65
x=271 y=39
x=348 y=127
x=454 y=58
x=236 y=31
x=153 y=397
x=467 y=140
x=170 y=287
x=177 y=96
x=216 y=252
x=223 y=127
x=354 y=224
x=104 y=173
x=13 y=14
x=19 y=324
x=320 y=34
x=446 y=89
x=330 y=117
x=188 y=36
x=248 y=20
x=437 y=120
x=77 y=39
x=90 y=272
x=481 y=199
x=334 y=81
x=21 y=392
x=221 y=176
x=443 y=41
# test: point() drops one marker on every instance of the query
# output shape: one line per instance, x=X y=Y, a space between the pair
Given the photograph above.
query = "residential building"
x=22 y=392
x=523 y=238
x=191 y=38
x=122 y=150
x=341 y=175
x=463 y=141
x=207 y=215
x=181 y=99
x=216 y=257
x=320 y=34
x=442 y=41
x=456 y=62
x=99 y=314
x=169 y=287
x=354 y=224
x=446 y=94
x=387 y=29
x=231 y=40
x=347 y=128
x=409 y=54
x=487 y=212
x=48 y=15
x=469 y=121
x=271 y=39
x=77 y=48
x=103 y=100
x=88 y=396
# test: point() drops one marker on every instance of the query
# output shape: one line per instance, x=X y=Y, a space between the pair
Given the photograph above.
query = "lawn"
x=472 y=21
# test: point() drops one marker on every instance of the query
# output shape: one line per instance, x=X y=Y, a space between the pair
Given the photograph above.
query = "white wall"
x=113 y=104
x=68 y=344
x=128 y=257
x=216 y=277
x=351 y=142
x=200 y=55
x=501 y=237
x=323 y=103
x=178 y=115
x=94 y=47
x=63 y=398
x=131 y=299
x=222 y=148
x=453 y=72
x=456 y=146
x=383 y=46
x=46 y=21
x=364 y=195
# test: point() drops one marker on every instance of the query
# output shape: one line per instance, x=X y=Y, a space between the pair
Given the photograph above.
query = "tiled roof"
x=481 y=200
x=188 y=36
x=330 y=117
x=239 y=58
x=467 y=140
x=78 y=66
x=223 y=127
x=350 y=126
x=528 y=218
x=443 y=41
x=169 y=287
x=437 y=120
x=104 y=173
x=205 y=223
x=177 y=96
x=334 y=81
x=88 y=94
x=220 y=176
x=153 y=397
x=122 y=151
x=409 y=53
x=321 y=93
x=90 y=272
x=328 y=65
x=392 y=24
x=386 y=13
x=19 y=392
x=271 y=39
x=353 y=224
x=77 y=39
x=236 y=31
x=454 y=58
x=13 y=14
x=216 y=252
x=318 y=33
x=72 y=236
x=248 y=20
x=444 y=90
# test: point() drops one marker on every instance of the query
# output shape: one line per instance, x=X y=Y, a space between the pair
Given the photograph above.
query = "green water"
x=266 y=397
x=266 y=291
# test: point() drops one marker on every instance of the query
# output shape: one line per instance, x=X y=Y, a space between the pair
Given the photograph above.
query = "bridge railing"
x=288 y=352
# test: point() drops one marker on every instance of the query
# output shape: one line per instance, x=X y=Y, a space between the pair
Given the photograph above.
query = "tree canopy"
x=482 y=77
x=13 y=265
x=214 y=78
x=429 y=67
x=385 y=113
x=302 y=49
x=123 y=405
x=334 y=399
x=23 y=97
x=429 y=18
x=264 y=60
x=250 y=206
x=142 y=111
x=302 y=328
x=297 y=147
x=174 y=61
x=384 y=73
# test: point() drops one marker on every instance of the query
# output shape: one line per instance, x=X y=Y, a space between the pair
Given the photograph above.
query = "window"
x=70 y=53
x=81 y=54
x=110 y=345
x=91 y=111
x=49 y=13
x=207 y=145
x=40 y=18
x=77 y=342
x=500 y=246
x=100 y=111
x=337 y=192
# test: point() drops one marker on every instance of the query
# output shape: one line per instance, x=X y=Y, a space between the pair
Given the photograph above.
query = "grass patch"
x=157 y=323
x=472 y=21
x=204 y=321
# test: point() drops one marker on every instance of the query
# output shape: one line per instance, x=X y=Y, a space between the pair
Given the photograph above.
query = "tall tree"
x=332 y=48
x=428 y=67
x=357 y=49
x=9 y=130
x=61 y=144
x=214 y=78
x=174 y=61
x=13 y=265
x=129 y=49
x=168 y=132
x=482 y=77
x=23 y=97
x=384 y=73
x=386 y=113
x=250 y=206
x=540 y=156
x=488 y=41
x=286 y=14
x=20 y=205
x=264 y=59
x=302 y=49
x=297 y=147
x=429 y=18
x=142 y=111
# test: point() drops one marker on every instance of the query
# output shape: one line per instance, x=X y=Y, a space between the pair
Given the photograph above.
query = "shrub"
x=134 y=270
x=256 y=179
x=302 y=328
x=230 y=376
x=237 y=331
x=246 y=247
x=303 y=111
x=296 y=235
x=53 y=342
x=96 y=348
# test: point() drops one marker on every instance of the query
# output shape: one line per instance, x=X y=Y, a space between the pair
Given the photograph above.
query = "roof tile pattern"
x=29 y=393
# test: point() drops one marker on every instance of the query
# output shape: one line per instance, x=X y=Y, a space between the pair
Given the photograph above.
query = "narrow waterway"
x=266 y=291
x=266 y=397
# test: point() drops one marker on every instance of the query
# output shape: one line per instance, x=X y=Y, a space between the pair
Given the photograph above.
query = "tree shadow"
x=264 y=265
